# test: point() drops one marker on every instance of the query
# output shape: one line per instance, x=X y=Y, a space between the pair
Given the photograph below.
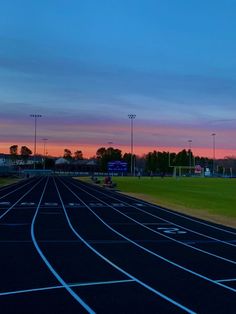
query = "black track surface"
x=70 y=247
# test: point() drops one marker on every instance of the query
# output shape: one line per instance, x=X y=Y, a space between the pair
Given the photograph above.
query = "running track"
x=70 y=247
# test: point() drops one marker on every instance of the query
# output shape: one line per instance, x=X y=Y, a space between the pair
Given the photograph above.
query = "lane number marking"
x=171 y=230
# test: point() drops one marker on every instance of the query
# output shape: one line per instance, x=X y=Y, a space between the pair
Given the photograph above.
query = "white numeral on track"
x=172 y=230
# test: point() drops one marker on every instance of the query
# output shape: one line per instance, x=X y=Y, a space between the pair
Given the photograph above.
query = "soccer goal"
x=186 y=171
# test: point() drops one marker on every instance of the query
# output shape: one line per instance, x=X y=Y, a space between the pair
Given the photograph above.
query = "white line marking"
x=20 y=187
x=1 y=216
x=58 y=277
x=151 y=252
x=226 y=280
x=72 y=285
x=110 y=262
x=156 y=223
x=167 y=221
x=177 y=214
x=27 y=204
x=5 y=203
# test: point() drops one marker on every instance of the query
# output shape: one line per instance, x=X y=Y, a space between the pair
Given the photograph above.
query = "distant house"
x=80 y=165
x=61 y=161
x=2 y=160
x=12 y=161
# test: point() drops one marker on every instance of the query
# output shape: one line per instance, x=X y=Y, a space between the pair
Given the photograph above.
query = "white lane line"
x=149 y=251
x=163 y=219
x=58 y=277
x=72 y=285
x=166 y=210
x=20 y=187
x=226 y=280
x=180 y=215
x=164 y=234
x=156 y=223
x=110 y=262
x=14 y=224
x=1 y=216
x=50 y=204
x=5 y=203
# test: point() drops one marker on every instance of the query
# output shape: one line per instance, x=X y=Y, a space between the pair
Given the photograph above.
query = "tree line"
x=25 y=152
x=155 y=161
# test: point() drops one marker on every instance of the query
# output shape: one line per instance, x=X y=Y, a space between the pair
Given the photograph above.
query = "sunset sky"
x=84 y=65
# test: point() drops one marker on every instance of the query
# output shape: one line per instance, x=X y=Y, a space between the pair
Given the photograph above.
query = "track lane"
x=184 y=235
x=85 y=306
x=145 y=297
x=197 y=223
x=100 y=285
x=183 y=218
x=193 y=253
x=211 y=286
x=12 y=188
x=22 y=269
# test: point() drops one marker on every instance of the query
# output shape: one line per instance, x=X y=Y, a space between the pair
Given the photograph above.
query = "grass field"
x=6 y=181
x=209 y=198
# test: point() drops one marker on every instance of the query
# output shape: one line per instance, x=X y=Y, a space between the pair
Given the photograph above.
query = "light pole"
x=131 y=117
x=190 y=157
x=214 y=151
x=44 y=150
x=35 y=116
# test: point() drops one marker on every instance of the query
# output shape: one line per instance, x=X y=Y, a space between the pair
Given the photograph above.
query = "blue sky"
x=85 y=65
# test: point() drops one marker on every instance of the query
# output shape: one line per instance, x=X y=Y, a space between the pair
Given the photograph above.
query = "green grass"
x=6 y=181
x=209 y=198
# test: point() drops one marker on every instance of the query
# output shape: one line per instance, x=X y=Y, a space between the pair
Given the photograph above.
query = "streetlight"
x=35 y=116
x=131 y=117
x=44 y=150
x=214 y=155
x=190 y=157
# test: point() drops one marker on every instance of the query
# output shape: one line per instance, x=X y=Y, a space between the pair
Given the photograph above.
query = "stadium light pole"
x=110 y=143
x=131 y=117
x=214 y=152
x=44 y=150
x=190 y=161
x=35 y=116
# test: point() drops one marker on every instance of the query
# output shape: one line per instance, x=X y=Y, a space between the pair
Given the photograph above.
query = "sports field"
x=6 y=181
x=209 y=198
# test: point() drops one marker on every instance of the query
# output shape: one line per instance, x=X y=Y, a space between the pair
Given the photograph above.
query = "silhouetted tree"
x=182 y=158
x=67 y=154
x=127 y=158
x=14 y=152
x=151 y=161
x=25 y=152
x=78 y=155
x=105 y=155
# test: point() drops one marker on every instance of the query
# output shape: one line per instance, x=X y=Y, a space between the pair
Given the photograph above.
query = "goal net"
x=186 y=171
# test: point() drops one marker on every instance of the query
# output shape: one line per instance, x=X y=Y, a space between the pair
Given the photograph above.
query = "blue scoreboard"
x=115 y=166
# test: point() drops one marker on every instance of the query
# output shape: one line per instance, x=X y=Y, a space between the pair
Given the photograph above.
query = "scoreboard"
x=115 y=166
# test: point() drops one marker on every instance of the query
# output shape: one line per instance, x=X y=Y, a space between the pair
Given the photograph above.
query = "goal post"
x=186 y=171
